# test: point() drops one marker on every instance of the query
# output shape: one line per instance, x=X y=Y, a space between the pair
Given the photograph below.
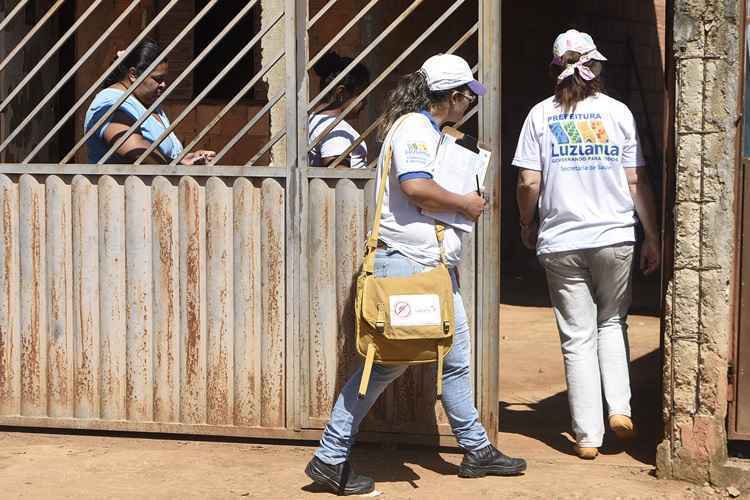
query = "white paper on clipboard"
x=456 y=170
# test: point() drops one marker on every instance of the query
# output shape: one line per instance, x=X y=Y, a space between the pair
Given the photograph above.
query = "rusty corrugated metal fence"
x=218 y=299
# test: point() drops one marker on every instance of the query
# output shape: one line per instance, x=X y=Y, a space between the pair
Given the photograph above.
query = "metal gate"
x=739 y=363
x=214 y=299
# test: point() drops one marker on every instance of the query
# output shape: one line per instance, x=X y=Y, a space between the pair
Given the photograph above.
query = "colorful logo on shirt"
x=418 y=152
x=580 y=137
x=417 y=147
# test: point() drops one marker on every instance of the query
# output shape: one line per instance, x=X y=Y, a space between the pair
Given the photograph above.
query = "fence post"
x=296 y=143
x=488 y=231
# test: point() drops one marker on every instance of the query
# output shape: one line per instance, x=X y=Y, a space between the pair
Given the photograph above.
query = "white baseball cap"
x=448 y=71
x=575 y=41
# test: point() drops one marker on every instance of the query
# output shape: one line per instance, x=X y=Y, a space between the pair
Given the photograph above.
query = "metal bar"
x=464 y=39
x=342 y=33
x=302 y=98
x=31 y=33
x=7 y=19
x=296 y=17
x=18 y=88
x=201 y=14
x=276 y=138
x=246 y=128
x=340 y=173
x=364 y=53
x=142 y=170
x=251 y=44
x=226 y=108
x=320 y=13
x=64 y=80
x=357 y=142
x=385 y=73
x=185 y=72
x=296 y=213
x=468 y=116
x=375 y=124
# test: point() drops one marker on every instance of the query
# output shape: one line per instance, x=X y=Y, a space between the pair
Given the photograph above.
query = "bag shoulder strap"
x=372 y=240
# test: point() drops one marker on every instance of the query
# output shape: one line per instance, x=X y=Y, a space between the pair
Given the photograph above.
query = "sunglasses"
x=469 y=97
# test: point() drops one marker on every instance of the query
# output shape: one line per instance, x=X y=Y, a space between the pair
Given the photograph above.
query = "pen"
x=479 y=191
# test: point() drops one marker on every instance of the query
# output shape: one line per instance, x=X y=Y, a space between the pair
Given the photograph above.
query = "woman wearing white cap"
x=440 y=92
x=580 y=163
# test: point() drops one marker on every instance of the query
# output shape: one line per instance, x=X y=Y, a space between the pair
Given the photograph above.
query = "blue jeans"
x=458 y=395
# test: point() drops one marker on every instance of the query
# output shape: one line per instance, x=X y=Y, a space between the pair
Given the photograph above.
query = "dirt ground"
x=534 y=421
x=63 y=466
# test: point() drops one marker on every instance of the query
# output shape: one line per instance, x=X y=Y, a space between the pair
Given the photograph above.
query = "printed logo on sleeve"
x=418 y=152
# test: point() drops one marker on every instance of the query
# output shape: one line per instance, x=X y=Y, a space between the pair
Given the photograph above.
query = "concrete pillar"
x=275 y=79
x=698 y=312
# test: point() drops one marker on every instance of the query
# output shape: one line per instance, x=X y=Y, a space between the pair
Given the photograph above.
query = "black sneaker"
x=490 y=462
x=339 y=479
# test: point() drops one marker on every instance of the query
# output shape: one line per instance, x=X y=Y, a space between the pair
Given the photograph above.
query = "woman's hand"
x=201 y=157
x=429 y=195
x=650 y=255
x=474 y=205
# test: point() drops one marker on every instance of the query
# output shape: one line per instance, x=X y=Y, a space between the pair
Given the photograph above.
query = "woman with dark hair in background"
x=440 y=92
x=132 y=109
x=341 y=137
x=580 y=163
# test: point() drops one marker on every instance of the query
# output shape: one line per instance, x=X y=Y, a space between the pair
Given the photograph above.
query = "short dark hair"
x=331 y=65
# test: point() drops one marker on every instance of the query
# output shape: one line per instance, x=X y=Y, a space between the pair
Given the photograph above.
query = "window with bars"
x=205 y=32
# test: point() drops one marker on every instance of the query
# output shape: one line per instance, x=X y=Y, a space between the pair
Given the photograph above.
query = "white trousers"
x=591 y=293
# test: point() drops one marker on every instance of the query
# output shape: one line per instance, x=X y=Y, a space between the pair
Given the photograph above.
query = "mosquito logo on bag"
x=402 y=309
x=415 y=310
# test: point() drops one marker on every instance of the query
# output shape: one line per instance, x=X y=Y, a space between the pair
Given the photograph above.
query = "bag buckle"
x=380 y=321
x=446 y=326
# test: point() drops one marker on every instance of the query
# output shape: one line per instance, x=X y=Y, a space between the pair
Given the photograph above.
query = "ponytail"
x=574 y=89
x=140 y=58
x=411 y=95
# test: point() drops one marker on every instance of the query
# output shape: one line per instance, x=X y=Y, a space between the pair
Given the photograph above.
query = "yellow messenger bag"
x=402 y=320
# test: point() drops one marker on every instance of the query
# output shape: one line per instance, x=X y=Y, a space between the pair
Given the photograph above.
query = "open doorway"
x=534 y=407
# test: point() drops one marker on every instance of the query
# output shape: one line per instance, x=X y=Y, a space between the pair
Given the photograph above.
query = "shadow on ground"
x=390 y=464
x=548 y=420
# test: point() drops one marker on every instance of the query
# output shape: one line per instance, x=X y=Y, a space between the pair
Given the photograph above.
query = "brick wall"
x=630 y=34
x=182 y=55
x=28 y=98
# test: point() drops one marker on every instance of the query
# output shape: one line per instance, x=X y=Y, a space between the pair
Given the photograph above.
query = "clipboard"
x=460 y=159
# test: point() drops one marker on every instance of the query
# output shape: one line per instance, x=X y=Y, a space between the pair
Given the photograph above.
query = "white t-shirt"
x=584 y=201
x=402 y=225
x=336 y=142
